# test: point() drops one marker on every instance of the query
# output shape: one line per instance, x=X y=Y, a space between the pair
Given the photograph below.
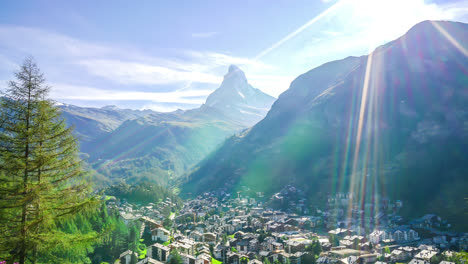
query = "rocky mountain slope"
x=91 y=123
x=238 y=100
x=393 y=123
x=146 y=145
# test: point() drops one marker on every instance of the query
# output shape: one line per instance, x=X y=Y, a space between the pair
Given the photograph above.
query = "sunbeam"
x=299 y=30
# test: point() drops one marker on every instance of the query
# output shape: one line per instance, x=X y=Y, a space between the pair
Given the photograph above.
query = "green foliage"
x=233 y=249
x=437 y=259
x=41 y=177
x=142 y=193
x=308 y=258
x=215 y=261
x=460 y=258
x=387 y=250
x=141 y=250
x=174 y=257
x=174 y=142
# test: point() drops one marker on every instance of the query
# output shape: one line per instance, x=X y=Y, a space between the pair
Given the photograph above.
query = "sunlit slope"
x=393 y=123
x=91 y=123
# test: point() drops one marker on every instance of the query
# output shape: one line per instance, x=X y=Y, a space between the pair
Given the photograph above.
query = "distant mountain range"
x=91 y=123
x=393 y=123
x=145 y=145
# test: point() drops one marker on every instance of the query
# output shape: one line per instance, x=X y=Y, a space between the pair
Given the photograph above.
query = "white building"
x=160 y=234
x=377 y=236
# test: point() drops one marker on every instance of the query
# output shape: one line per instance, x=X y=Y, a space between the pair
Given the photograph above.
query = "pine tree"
x=174 y=257
x=41 y=178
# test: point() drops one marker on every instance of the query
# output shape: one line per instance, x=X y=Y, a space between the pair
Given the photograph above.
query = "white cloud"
x=273 y=85
x=204 y=34
x=62 y=91
x=37 y=41
x=163 y=107
x=71 y=61
x=348 y=27
x=139 y=73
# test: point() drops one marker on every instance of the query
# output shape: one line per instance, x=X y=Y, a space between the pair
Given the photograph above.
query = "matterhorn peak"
x=235 y=72
x=233 y=68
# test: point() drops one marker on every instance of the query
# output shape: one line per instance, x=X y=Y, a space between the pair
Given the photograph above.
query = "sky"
x=166 y=55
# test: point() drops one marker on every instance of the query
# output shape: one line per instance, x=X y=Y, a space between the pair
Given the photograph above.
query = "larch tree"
x=41 y=176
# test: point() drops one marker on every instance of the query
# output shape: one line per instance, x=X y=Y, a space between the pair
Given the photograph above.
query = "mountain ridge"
x=320 y=136
x=158 y=147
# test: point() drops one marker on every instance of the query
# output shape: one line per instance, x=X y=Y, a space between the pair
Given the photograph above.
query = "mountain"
x=391 y=124
x=91 y=123
x=158 y=147
x=238 y=100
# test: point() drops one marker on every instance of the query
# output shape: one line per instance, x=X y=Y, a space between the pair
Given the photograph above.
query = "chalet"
x=203 y=258
x=180 y=247
x=263 y=254
x=426 y=255
x=195 y=235
x=273 y=257
x=220 y=252
x=209 y=238
x=377 y=236
x=346 y=243
x=339 y=232
x=253 y=245
x=158 y=252
x=343 y=253
x=364 y=246
x=293 y=246
x=410 y=251
x=367 y=258
x=188 y=245
x=150 y=223
x=296 y=258
x=418 y=261
x=126 y=257
x=254 y=261
x=160 y=234
x=349 y=260
x=239 y=234
x=242 y=246
x=266 y=244
x=201 y=248
x=233 y=258
x=127 y=217
x=400 y=255
x=187 y=259
x=149 y=261
x=201 y=227
x=326 y=260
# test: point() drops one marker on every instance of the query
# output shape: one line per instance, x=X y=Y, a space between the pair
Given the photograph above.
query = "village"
x=250 y=229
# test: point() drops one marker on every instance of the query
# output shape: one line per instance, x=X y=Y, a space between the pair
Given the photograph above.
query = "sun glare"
x=386 y=20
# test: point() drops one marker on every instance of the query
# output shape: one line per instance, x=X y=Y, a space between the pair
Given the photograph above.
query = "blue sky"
x=165 y=55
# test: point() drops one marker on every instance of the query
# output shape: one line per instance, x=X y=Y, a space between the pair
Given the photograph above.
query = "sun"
x=384 y=20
